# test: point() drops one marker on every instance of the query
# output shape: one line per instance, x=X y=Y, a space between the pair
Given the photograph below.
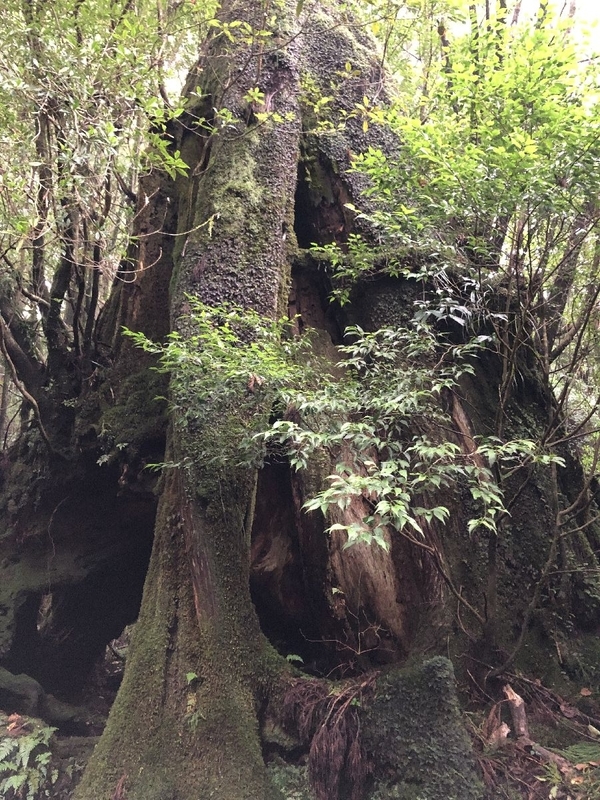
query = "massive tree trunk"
x=200 y=736
x=241 y=213
x=240 y=576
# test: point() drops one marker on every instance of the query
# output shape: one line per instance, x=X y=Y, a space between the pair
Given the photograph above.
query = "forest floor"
x=556 y=757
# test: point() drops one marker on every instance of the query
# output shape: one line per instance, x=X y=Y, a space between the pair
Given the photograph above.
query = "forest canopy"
x=496 y=110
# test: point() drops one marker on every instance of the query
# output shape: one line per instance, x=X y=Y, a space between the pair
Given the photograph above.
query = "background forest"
x=299 y=417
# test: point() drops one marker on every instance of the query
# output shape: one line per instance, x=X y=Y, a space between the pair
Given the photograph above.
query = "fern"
x=25 y=764
x=582 y=752
x=27 y=746
x=15 y=782
x=6 y=746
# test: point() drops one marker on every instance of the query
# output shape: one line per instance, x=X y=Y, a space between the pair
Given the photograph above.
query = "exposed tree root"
x=326 y=720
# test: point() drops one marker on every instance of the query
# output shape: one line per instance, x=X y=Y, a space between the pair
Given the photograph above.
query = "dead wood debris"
x=119 y=792
x=521 y=762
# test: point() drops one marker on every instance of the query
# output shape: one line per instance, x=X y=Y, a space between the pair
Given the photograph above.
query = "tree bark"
x=197 y=617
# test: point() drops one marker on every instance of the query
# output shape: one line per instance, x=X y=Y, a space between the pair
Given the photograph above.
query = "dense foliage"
x=87 y=91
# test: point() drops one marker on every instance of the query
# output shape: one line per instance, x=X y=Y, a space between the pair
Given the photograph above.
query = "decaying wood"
x=517 y=712
x=495 y=732
x=521 y=731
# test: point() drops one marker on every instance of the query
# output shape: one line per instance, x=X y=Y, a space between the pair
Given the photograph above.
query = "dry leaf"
x=568 y=711
x=17 y=728
x=585 y=692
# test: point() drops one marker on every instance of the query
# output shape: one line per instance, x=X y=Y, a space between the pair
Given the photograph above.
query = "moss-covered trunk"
x=200 y=672
x=185 y=722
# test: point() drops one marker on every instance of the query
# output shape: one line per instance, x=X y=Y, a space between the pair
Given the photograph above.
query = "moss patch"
x=414 y=733
x=291 y=781
x=582 y=661
x=138 y=416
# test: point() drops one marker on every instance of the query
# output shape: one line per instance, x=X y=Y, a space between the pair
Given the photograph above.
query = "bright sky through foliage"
x=587 y=14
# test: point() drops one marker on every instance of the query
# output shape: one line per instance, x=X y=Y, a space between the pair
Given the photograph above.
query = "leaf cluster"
x=383 y=420
x=228 y=371
x=244 y=387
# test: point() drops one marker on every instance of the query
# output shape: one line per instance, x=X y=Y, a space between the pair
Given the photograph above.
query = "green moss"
x=174 y=741
x=236 y=251
x=137 y=415
x=538 y=657
x=556 y=737
x=240 y=192
x=414 y=733
x=582 y=660
x=290 y=780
